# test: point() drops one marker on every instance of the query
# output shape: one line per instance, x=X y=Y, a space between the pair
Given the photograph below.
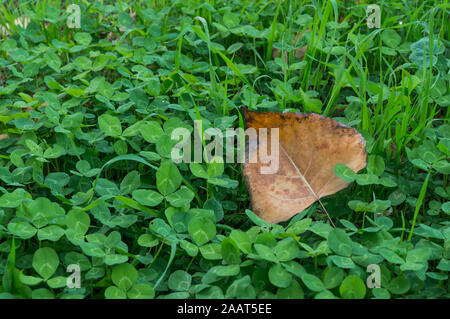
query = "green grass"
x=85 y=170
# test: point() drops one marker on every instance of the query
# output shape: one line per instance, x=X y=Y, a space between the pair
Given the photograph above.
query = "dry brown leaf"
x=310 y=145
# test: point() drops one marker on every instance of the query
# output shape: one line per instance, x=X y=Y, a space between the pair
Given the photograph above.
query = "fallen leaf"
x=310 y=145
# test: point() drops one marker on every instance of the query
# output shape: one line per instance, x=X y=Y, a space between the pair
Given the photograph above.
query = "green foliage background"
x=86 y=176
